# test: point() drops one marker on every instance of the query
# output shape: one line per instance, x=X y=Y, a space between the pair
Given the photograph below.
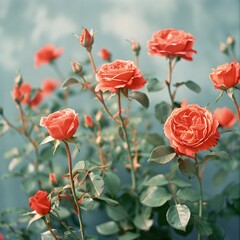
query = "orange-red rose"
x=226 y=76
x=191 y=129
x=118 y=75
x=172 y=43
x=49 y=85
x=225 y=117
x=61 y=124
x=40 y=202
x=86 y=39
x=104 y=54
x=88 y=122
x=47 y=54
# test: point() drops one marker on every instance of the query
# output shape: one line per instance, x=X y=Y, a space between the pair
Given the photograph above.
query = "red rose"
x=88 y=122
x=22 y=93
x=61 y=124
x=226 y=75
x=225 y=117
x=46 y=54
x=40 y=202
x=86 y=39
x=119 y=74
x=191 y=129
x=49 y=85
x=172 y=43
x=105 y=54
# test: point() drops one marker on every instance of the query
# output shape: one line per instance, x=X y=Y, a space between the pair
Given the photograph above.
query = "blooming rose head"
x=46 y=55
x=40 y=202
x=191 y=129
x=105 y=54
x=49 y=85
x=86 y=39
x=61 y=124
x=225 y=117
x=118 y=75
x=226 y=76
x=172 y=43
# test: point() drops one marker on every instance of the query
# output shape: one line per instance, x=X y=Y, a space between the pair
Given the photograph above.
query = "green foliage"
x=154 y=85
x=162 y=111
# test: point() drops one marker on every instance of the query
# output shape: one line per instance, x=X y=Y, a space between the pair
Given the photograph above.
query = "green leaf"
x=56 y=145
x=108 y=228
x=158 y=180
x=87 y=202
x=154 y=85
x=187 y=194
x=202 y=226
x=219 y=176
x=3 y=127
x=117 y=213
x=129 y=236
x=162 y=111
x=216 y=155
x=80 y=165
x=108 y=200
x=74 y=141
x=178 y=216
x=47 y=140
x=155 y=197
x=95 y=184
x=112 y=182
x=230 y=93
x=155 y=139
x=69 y=82
x=142 y=223
x=234 y=192
x=193 y=86
x=180 y=183
x=140 y=97
x=48 y=235
x=187 y=167
x=162 y=154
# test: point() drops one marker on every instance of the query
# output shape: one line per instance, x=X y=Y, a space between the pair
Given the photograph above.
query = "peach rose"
x=225 y=117
x=191 y=129
x=226 y=76
x=49 y=85
x=40 y=202
x=61 y=124
x=172 y=43
x=117 y=75
x=86 y=39
x=46 y=55
x=104 y=54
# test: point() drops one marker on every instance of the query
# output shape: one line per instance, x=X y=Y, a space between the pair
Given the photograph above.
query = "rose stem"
x=168 y=82
x=237 y=108
x=73 y=189
x=133 y=175
x=92 y=61
x=24 y=124
x=100 y=98
x=199 y=178
x=50 y=229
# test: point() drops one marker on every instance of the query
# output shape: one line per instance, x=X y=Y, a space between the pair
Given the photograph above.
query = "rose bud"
x=105 y=54
x=40 y=202
x=86 y=39
x=172 y=43
x=21 y=94
x=52 y=178
x=230 y=41
x=61 y=124
x=223 y=48
x=46 y=55
x=186 y=129
x=76 y=67
x=225 y=117
x=88 y=122
x=226 y=76
x=135 y=47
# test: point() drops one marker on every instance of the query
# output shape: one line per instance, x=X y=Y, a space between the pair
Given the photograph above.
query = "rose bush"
x=61 y=124
x=40 y=202
x=172 y=43
x=119 y=75
x=191 y=129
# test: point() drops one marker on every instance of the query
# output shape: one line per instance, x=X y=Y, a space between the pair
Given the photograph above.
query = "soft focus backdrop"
x=25 y=26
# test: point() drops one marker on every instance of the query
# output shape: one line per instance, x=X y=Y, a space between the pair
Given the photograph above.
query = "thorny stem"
x=68 y=229
x=73 y=189
x=133 y=174
x=50 y=229
x=24 y=124
x=237 y=108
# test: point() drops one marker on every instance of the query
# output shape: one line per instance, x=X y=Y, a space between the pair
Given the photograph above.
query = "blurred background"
x=25 y=26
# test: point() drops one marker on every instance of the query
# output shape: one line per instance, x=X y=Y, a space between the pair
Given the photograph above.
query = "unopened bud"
x=76 y=67
x=105 y=54
x=52 y=178
x=86 y=39
x=88 y=122
x=230 y=40
x=223 y=48
x=98 y=116
x=18 y=80
x=135 y=47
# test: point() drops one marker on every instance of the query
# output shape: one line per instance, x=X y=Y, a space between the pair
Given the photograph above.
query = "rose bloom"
x=86 y=39
x=172 y=43
x=226 y=76
x=225 y=117
x=49 y=85
x=22 y=93
x=40 y=202
x=117 y=75
x=47 y=54
x=104 y=54
x=191 y=129
x=61 y=124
